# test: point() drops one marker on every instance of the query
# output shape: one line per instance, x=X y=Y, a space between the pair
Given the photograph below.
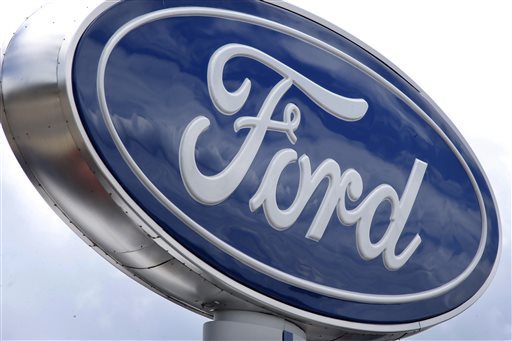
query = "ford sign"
x=245 y=155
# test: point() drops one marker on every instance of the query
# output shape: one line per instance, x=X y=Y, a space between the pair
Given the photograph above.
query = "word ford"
x=212 y=190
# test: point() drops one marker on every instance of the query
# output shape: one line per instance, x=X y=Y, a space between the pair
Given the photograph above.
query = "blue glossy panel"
x=156 y=84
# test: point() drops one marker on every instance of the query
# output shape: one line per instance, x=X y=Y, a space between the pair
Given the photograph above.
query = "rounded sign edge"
x=194 y=262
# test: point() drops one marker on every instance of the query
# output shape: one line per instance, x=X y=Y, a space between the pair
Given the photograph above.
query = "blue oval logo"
x=288 y=158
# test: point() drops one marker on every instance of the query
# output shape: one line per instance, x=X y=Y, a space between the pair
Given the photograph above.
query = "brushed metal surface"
x=51 y=146
x=44 y=138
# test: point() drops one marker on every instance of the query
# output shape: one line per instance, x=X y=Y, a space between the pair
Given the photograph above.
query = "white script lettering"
x=212 y=190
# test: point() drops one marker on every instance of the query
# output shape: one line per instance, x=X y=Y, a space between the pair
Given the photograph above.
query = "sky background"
x=460 y=52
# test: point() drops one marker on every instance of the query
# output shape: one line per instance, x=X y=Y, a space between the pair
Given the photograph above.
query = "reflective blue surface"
x=156 y=84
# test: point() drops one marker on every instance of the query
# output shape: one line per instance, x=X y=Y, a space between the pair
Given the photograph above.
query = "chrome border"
x=59 y=159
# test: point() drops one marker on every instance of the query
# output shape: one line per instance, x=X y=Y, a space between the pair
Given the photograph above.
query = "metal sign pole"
x=237 y=325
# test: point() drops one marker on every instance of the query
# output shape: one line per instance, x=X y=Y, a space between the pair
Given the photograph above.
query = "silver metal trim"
x=66 y=136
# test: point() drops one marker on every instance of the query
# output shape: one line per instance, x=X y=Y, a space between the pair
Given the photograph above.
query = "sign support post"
x=234 y=325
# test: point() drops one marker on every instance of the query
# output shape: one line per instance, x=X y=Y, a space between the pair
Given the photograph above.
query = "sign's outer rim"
x=126 y=205
x=242 y=289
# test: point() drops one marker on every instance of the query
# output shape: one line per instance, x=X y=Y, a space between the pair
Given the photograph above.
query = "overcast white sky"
x=460 y=52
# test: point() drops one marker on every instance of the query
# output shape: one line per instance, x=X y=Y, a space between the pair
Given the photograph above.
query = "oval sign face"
x=288 y=158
